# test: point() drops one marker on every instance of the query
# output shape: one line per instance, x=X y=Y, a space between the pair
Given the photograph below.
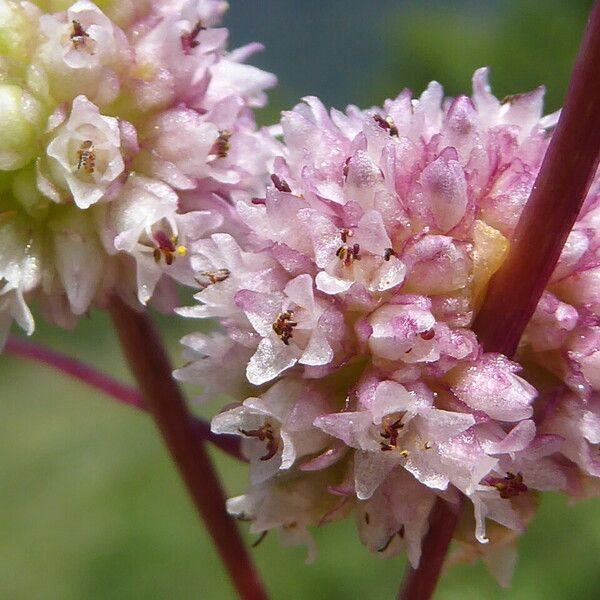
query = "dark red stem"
x=150 y=365
x=420 y=583
x=102 y=382
x=558 y=194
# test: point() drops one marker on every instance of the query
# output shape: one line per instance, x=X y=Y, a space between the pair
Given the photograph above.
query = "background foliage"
x=90 y=507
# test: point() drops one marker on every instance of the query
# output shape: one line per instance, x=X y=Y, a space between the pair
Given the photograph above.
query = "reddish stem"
x=420 y=583
x=558 y=194
x=150 y=365
x=102 y=382
x=76 y=369
x=550 y=213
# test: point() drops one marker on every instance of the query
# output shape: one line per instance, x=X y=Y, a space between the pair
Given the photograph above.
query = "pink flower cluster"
x=345 y=296
x=132 y=132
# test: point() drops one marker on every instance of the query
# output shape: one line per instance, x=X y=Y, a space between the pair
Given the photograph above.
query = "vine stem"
x=123 y=393
x=150 y=365
x=558 y=194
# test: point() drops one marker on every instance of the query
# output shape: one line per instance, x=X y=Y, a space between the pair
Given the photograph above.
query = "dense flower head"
x=345 y=296
x=127 y=133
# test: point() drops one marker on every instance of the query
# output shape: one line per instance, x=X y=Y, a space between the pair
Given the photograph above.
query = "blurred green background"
x=90 y=506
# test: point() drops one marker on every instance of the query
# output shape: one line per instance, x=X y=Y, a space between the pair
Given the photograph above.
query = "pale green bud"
x=16 y=31
x=25 y=192
x=22 y=117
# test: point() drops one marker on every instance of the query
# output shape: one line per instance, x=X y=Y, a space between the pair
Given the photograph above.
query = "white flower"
x=84 y=157
x=82 y=53
x=144 y=222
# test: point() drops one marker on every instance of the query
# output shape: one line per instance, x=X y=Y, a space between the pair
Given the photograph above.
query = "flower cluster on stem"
x=127 y=133
x=346 y=298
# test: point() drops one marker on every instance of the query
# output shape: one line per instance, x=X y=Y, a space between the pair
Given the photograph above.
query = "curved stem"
x=150 y=365
x=126 y=394
x=549 y=215
x=76 y=369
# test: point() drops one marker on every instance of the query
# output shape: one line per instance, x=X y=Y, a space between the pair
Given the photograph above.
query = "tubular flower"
x=348 y=296
x=127 y=135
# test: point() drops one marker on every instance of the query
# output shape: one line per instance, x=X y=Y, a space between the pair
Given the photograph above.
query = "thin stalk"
x=420 y=583
x=123 y=393
x=150 y=365
x=514 y=292
x=76 y=369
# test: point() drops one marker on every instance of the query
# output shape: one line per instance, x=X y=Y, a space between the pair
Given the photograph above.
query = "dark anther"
x=284 y=326
x=78 y=34
x=346 y=167
x=386 y=123
x=388 y=253
x=510 y=486
x=280 y=184
x=427 y=335
x=222 y=145
x=166 y=247
x=188 y=40
x=348 y=254
x=207 y=278
x=87 y=157
x=264 y=434
x=346 y=233
x=390 y=432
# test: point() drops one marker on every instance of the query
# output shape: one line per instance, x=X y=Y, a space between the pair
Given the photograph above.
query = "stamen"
x=188 y=40
x=222 y=145
x=427 y=335
x=78 y=34
x=87 y=157
x=388 y=253
x=510 y=486
x=284 y=326
x=386 y=123
x=212 y=277
x=264 y=434
x=348 y=254
x=390 y=432
x=167 y=248
x=280 y=184
x=346 y=167
x=346 y=233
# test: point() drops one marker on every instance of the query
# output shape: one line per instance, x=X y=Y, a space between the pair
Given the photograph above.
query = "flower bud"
x=16 y=31
x=22 y=117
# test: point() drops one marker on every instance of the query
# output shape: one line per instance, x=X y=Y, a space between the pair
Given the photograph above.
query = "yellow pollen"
x=181 y=250
x=404 y=453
